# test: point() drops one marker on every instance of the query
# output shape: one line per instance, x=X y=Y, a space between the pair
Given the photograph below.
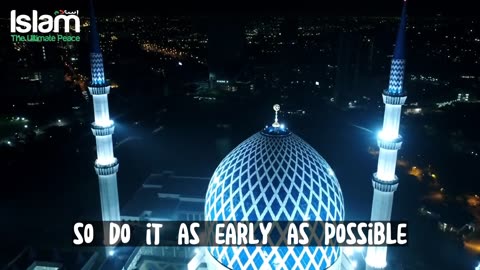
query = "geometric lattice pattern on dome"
x=274 y=178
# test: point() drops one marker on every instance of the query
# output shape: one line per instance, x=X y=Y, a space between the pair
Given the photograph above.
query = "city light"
x=59 y=120
x=478 y=266
x=26 y=126
x=180 y=64
x=111 y=253
x=417 y=172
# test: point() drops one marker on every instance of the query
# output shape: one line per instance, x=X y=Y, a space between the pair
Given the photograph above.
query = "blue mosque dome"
x=274 y=176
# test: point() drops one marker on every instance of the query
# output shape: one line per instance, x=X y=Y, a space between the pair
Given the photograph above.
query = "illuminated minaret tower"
x=106 y=164
x=385 y=182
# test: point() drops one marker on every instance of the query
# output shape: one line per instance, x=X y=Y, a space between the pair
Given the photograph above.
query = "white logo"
x=44 y=23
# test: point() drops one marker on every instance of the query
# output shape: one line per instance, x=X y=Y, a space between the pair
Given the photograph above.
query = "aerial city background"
x=186 y=89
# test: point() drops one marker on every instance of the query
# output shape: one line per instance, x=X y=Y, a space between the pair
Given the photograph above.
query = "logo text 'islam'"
x=44 y=23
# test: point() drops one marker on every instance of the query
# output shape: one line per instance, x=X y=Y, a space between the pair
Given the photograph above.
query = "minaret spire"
x=384 y=181
x=395 y=86
x=96 y=59
x=106 y=164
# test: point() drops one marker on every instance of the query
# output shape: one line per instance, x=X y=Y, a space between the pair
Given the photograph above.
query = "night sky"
x=264 y=7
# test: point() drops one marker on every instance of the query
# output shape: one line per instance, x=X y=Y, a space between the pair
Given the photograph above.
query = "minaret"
x=385 y=182
x=106 y=164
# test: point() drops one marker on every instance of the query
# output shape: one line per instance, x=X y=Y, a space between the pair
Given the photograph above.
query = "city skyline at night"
x=185 y=90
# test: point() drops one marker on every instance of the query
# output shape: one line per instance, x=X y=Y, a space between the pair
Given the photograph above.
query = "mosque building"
x=276 y=176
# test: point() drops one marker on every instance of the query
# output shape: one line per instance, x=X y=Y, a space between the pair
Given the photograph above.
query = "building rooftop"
x=45 y=259
x=165 y=196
